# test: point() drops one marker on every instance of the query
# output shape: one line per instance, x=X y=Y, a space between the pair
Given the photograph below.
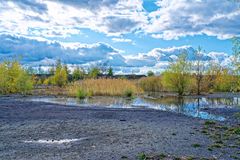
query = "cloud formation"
x=64 y=18
x=35 y=52
x=171 y=20
x=179 y=18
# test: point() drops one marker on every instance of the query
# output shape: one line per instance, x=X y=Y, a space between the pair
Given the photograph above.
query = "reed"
x=104 y=87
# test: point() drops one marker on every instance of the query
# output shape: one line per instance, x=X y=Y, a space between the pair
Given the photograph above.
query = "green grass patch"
x=196 y=145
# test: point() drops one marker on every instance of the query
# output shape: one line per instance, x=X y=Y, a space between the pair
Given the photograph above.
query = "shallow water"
x=195 y=107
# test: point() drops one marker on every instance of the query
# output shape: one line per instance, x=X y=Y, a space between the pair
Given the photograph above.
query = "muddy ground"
x=37 y=130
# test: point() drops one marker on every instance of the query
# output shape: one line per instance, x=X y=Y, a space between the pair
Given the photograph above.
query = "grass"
x=237 y=115
x=104 y=87
x=196 y=145
x=152 y=84
x=81 y=94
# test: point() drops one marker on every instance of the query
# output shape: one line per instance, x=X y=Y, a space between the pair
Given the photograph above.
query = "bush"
x=128 y=93
x=14 y=79
x=81 y=94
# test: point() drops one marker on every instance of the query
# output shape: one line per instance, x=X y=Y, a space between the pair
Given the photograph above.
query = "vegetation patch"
x=105 y=87
x=14 y=79
x=224 y=137
x=161 y=156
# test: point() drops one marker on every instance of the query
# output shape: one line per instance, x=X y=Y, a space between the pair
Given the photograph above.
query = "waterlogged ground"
x=110 y=128
x=200 y=107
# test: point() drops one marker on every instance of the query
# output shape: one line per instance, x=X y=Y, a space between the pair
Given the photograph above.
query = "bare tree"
x=199 y=69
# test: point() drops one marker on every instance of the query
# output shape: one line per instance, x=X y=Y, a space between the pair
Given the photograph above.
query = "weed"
x=81 y=94
x=142 y=156
x=210 y=123
x=196 y=145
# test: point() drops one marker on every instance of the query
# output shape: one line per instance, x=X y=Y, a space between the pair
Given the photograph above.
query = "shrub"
x=14 y=79
x=81 y=94
x=78 y=74
x=128 y=93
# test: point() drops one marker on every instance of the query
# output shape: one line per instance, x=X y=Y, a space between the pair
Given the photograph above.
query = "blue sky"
x=131 y=37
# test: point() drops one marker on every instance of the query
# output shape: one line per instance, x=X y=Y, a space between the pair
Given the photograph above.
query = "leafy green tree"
x=110 y=72
x=150 y=73
x=14 y=79
x=78 y=74
x=60 y=77
x=94 y=72
x=177 y=76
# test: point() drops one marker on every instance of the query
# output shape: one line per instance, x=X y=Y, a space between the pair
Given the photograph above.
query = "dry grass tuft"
x=104 y=87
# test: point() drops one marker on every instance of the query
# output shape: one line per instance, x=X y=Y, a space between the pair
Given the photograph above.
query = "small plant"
x=196 y=145
x=210 y=123
x=142 y=156
x=128 y=93
x=237 y=115
x=162 y=156
x=237 y=130
x=81 y=94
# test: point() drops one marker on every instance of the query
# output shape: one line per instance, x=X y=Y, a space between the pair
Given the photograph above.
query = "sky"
x=130 y=36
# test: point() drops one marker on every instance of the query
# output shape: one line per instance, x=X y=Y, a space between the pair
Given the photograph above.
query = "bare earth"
x=36 y=130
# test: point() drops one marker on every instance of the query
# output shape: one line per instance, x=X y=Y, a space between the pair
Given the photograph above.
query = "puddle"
x=195 y=107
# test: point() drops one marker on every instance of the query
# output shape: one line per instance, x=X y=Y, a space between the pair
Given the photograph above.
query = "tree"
x=60 y=77
x=150 y=73
x=214 y=71
x=78 y=74
x=14 y=79
x=94 y=72
x=236 y=53
x=110 y=72
x=199 y=69
x=177 y=76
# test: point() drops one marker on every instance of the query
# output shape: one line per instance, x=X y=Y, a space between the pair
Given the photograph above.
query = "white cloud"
x=179 y=18
x=125 y=40
x=63 y=18
x=173 y=19
x=35 y=51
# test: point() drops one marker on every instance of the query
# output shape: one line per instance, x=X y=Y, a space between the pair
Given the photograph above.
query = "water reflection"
x=195 y=107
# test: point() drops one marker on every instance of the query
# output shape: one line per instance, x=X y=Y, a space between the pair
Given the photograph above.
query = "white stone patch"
x=52 y=141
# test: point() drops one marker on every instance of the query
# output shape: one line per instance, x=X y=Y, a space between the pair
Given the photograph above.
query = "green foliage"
x=128 y=93
x=177 y=77
x=142 y=156
x=94 y=72
x=60 y=77
x=78 y=74
x=110 y=72
x=150 y=73
x=196 y=145
x=209 y=122
x=81 y=94
x=14 y=79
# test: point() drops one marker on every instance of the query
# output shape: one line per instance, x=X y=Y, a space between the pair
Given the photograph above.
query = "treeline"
x=198 y=76
x=61 y=75
x=187 y=78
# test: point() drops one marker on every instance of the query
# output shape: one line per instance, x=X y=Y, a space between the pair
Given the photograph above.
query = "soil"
x=37 y=130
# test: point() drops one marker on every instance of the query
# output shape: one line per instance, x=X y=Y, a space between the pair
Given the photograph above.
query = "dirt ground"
x=37 y=130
